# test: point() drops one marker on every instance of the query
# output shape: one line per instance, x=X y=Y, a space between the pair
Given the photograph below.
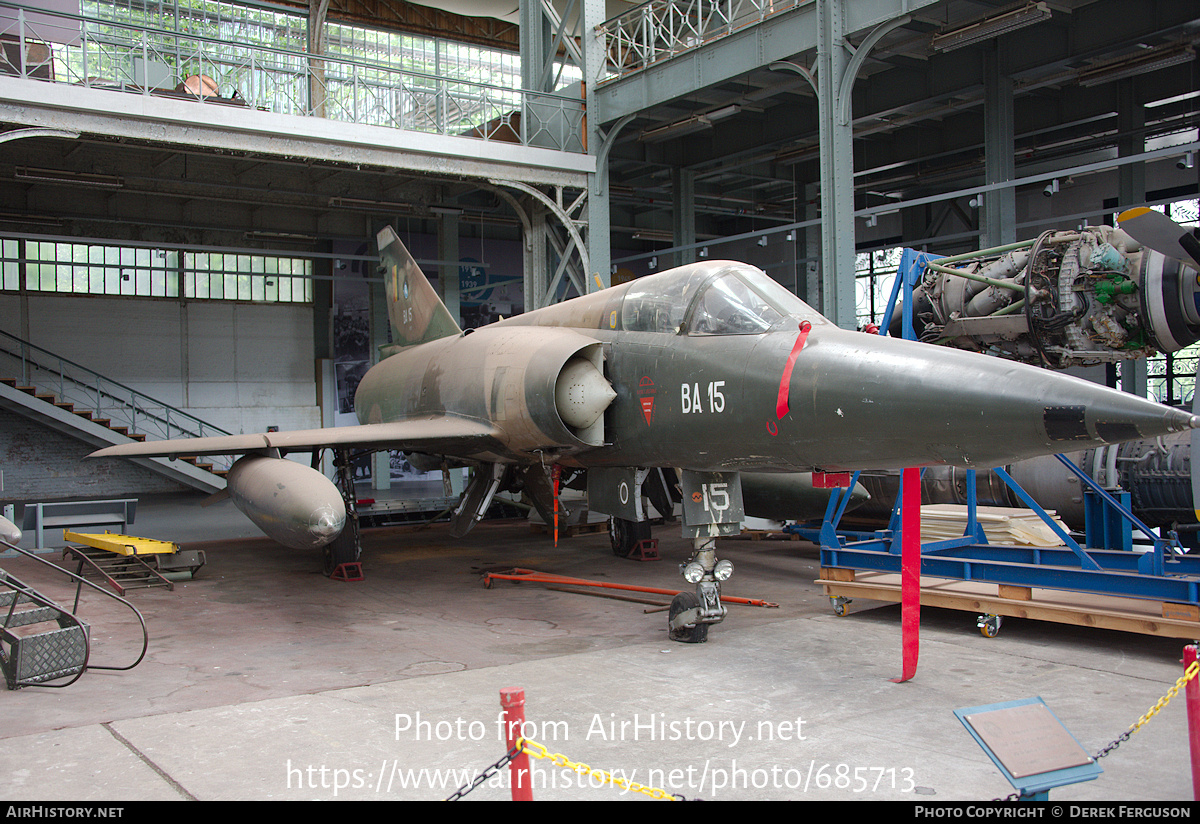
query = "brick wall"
x=41 y=464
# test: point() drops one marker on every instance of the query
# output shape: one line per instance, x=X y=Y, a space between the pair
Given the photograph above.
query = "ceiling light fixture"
x=1147 y=61
x=279 y=237
x=68 y=178
x=651 y=234
x=690 y=125
x=357 y=203
x=990 y=27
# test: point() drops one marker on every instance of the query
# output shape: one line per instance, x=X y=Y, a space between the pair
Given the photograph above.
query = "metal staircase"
x=80 y=401
x=42 y=641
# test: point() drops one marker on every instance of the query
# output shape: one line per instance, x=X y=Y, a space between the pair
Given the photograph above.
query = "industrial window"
x=91 y=269
x=10 y=265
x=97 y=269
x=227 y=276
x=874 y=276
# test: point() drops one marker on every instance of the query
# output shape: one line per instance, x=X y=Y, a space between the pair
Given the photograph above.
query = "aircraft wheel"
x=688 y=635
x=624 y=535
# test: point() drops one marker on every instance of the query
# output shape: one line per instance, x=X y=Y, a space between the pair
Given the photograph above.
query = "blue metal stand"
x=1163 y=573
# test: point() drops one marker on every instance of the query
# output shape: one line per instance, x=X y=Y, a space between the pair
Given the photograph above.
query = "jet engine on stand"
x=1068 y=298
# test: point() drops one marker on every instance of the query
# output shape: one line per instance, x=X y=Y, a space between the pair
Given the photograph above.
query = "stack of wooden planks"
x=1002 y=525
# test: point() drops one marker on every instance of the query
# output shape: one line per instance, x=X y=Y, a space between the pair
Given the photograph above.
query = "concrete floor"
x=266 y=680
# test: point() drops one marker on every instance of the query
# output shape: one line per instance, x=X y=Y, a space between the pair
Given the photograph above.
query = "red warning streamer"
x=785 y=382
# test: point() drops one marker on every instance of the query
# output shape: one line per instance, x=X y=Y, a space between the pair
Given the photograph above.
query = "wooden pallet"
x=1085 y=609
x=569 y=530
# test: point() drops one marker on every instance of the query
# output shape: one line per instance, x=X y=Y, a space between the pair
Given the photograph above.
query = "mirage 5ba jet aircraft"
x=711 y=369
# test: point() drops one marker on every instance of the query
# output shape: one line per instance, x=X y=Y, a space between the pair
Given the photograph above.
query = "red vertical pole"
x=1191 y=694
x=512 y=701
x=910 y=570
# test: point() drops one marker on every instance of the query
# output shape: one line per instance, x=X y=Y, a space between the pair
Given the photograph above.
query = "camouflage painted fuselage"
x=697 y=357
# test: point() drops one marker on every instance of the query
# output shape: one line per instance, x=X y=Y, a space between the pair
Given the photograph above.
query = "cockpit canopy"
x=710 y=298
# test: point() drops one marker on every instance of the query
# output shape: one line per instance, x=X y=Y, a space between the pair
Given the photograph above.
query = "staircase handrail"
x=9 y=580
x=200 y=428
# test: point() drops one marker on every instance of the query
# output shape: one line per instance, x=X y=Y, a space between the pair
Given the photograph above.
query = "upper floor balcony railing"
x=138 y=59
x=660 y=29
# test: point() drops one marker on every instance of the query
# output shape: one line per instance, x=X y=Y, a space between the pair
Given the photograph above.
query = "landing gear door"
x=712 y=504
x=617 y=491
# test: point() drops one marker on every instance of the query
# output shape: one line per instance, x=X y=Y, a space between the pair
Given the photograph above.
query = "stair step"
x=8 y=596
x=29 y=617
x=45 y=656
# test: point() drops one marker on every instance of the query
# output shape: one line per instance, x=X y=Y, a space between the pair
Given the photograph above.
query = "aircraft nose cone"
x=927 y=405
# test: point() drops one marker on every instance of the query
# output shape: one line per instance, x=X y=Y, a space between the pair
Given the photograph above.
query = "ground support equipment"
x=1161 y=586
x=127 y=562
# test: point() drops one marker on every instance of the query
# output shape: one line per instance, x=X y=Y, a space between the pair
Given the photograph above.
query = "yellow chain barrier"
x=1188 y=675
x=538 y=751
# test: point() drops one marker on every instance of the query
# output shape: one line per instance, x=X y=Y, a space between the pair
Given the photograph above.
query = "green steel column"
x=999 y=222
x=1131 y=191
x=598 y=217
x=837 y=168
x=449 y=283
x=683 y=213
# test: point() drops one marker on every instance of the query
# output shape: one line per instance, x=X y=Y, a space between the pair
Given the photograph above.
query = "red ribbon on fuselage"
x=785 y=382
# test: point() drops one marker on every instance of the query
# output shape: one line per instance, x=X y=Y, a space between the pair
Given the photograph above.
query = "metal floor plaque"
x=1027 y=739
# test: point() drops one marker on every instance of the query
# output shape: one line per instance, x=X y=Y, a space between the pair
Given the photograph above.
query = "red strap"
x=785 y=382
x=910 y=571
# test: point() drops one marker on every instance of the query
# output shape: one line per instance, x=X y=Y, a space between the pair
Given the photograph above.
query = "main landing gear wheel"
x=625 y=535
x=688 y=635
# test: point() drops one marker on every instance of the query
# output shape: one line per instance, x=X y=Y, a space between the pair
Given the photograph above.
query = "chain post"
x=512 y=701
x=1192 y=700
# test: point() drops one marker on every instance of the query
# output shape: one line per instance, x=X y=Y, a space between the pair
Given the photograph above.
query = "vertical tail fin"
x=416 y=313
